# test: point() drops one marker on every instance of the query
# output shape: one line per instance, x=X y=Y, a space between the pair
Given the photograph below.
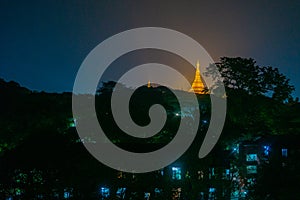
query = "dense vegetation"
x=40 y=152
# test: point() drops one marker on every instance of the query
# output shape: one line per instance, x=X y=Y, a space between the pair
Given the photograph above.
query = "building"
x=198 y=85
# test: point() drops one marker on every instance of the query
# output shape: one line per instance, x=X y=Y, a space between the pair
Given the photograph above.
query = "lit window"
x=176 y=193
x=227 y=171
x=212 y=171
x=266 y=150
x=176 y=173
x=146 y=195
x=200 y=175
x=284 y=152
x=236 y=149
x=66 y=195
x=243 y=193
x=211 y=193
x=251 y=157
x=72 y=122
x=251 y=169
x=161 y=172
x=121 y=193
x=157 y=191
x=212 y=190
x=104 y=192
x=18 y=191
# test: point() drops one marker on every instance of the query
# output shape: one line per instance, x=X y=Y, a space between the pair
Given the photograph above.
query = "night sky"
x=43 y=43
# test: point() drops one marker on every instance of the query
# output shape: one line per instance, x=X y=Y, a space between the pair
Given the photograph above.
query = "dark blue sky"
x=43 y=43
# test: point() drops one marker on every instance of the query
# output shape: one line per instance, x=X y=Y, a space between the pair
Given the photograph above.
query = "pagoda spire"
x=198 y=65
x=198 y=86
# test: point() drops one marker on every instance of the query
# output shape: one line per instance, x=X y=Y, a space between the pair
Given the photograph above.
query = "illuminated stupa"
x=148 y=84
x=198 y=86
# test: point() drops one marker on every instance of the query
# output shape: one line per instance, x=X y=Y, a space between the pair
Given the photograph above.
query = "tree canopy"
x=41 y=151
x=244 y=74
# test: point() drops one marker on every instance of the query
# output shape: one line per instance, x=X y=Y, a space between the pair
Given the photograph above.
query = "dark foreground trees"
x=41 y=155
x=244 y=74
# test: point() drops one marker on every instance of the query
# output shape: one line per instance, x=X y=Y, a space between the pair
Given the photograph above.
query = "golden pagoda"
x=198 y=86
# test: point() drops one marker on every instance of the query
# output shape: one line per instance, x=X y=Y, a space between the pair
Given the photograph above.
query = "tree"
x=244 y=74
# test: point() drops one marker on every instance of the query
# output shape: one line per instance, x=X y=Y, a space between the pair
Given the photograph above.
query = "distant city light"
x=266 y=150
x=227 y=171
x=121 y=193
x=284 y=152
x=157 y=190
x=67 y=195
x=212 y=190
x=72 y=122
x=176 y=173
x=235 y=148
x=146 y=195
x=251 y=169
x=251 y=157
x=104 y=192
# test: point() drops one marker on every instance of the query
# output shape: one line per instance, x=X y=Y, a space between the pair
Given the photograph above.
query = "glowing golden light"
x=198 y=86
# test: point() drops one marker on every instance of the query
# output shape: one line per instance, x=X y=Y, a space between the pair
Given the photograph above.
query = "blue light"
x=251 y=169
x=266 y=150
x=235 y=149
x=227 y=171
x=66 y=195
x=267 y=147
x=212 y=190
x=251 y=157
x=157 y=191
x=146 y=195
x=104 y=192
x=121 y=193
x=176 y=173
x=284 y=152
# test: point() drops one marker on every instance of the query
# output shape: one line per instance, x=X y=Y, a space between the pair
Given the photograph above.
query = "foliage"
x=244 y=74
x=42 y=154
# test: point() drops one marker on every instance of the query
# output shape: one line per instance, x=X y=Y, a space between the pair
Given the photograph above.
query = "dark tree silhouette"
x=244 y=74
